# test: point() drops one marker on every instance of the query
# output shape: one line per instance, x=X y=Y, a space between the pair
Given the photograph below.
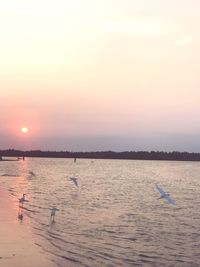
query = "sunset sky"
x=88 y=75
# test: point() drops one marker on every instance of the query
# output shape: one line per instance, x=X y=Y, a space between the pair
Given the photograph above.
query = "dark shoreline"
x=126 y=155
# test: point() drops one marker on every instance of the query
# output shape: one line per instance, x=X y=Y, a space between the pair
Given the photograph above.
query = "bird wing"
x=170 y=200
x=165 y=195
x=74 y=179
x=161 y=191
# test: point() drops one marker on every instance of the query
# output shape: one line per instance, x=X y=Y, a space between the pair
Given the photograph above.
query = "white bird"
x=74 y=179
x=165 y=195
x=53 y=213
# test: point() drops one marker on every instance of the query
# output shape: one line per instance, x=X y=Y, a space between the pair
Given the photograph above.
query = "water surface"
x=114 y=218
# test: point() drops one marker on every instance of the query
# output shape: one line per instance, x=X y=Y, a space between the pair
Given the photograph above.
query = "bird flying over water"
x=74 y=179
x=165 y=195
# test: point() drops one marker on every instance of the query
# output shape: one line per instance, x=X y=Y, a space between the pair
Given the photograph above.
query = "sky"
x=87 y=75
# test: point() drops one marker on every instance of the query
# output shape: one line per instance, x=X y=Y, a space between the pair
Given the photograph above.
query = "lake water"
x=114 y=218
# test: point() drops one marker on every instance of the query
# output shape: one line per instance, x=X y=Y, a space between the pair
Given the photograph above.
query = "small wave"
x=11 y=190
x=33 y=211
x=142 y=255
x=32 y=173
x=10 y=175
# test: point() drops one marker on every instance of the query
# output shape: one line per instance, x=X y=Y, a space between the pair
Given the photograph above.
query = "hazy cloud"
x=183 y=39
x=137 y=26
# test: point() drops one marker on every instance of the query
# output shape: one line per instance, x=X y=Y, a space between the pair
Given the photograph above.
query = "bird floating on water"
x=165 y=195
x=74 y=180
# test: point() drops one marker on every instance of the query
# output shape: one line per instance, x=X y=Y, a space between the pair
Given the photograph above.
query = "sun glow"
x=24 y=130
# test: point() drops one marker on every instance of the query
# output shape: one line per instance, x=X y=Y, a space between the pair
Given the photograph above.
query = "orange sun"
x=24 y=130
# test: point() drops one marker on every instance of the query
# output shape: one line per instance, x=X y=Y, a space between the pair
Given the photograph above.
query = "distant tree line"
x=129 y=155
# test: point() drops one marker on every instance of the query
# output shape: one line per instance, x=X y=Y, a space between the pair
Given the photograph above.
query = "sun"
x=24 y=129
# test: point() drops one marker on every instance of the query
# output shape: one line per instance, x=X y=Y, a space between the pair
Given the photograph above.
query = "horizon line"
x=99 y=151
